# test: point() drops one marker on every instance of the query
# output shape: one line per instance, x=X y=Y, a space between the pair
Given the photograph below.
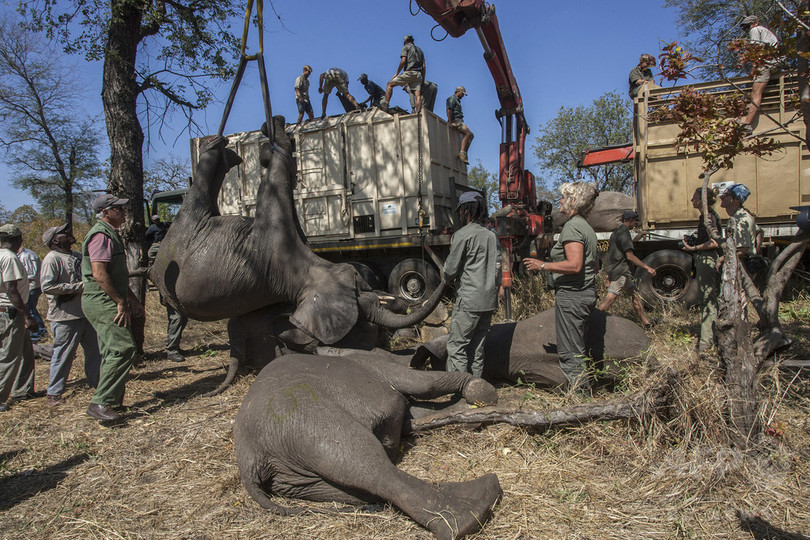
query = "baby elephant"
x=328 y=428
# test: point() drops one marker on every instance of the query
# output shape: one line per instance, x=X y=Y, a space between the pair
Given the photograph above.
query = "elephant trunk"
x=388 y=319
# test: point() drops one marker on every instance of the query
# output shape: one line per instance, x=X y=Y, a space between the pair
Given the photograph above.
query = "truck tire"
x=673 y=281
x=413 y=279
x=372 y=277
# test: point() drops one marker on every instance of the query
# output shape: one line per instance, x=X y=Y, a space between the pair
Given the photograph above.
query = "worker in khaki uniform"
x=109 y=305
x=16 y=352
x=475 y=261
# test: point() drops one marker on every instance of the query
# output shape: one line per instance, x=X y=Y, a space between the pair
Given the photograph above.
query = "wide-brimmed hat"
x=48 y=235
x=751 y=19
x=102 y=202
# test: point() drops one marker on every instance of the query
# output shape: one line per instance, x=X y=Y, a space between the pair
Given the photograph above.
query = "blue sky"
x=563 y=54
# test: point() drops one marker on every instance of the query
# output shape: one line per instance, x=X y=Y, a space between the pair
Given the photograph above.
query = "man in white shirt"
x=16 y=352
x=758 y=34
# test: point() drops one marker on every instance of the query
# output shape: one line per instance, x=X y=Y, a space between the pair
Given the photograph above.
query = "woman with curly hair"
x=572 y=274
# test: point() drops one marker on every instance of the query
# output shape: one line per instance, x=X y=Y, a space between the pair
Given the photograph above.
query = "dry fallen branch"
x=640 y=406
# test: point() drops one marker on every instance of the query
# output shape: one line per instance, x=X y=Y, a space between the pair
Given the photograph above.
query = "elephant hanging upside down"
x=213 y=267
x=327 y=429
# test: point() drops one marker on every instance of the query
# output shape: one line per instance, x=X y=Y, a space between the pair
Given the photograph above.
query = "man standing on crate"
x=412 y=66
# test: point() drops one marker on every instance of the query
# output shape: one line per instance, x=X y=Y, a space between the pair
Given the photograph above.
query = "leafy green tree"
x=52 y=151
x=480 y=178
x=157 y=55
x=561 y=142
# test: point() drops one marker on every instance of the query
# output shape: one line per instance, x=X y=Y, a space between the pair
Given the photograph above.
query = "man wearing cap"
x=31 y=263
x=334 y=78
x=154 y=235
x=108 y=304
x=375 y=91
x=456 y=119
x=16 y=351
x=474 y=261
x=62 y=285
x=412 y=66
x=762 y=74
x=741 y=226
x=302 y=94
x=641 y=75
x=620 y=255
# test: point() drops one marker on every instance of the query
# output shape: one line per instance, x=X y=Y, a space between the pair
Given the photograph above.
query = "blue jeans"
x=66 y=338
x=33 y=298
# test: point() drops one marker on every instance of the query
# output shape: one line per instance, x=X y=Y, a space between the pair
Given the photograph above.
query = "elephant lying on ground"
x=327 y=429
x=527 y=350
x=213 y=267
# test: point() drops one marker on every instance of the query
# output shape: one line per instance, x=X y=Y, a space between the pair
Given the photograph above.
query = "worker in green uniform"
x=475 y=261
x=109 y=305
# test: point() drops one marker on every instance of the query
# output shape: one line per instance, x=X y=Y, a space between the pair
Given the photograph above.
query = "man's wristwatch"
x=543 y=266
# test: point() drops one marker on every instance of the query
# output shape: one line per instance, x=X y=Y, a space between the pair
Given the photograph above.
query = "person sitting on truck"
x=620 y=278
x=761 y=74
x=375 y=91
x=475 y=261
x=412 y=66
x=335 y=78
x=455 y=117
x=572 y=275
x=641 y=75
x=705 y=253
x=302 y=94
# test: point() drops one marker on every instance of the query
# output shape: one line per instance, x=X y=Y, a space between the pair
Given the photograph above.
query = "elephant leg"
x=347 y=456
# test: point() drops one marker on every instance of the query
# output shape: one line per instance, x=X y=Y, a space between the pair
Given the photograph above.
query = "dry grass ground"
x=170 y=472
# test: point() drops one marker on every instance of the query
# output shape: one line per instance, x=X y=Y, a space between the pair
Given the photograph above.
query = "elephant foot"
x=480 y=392
x=464 y=507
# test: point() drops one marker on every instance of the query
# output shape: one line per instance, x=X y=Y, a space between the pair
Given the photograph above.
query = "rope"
x=420 y=219
x=240 y=70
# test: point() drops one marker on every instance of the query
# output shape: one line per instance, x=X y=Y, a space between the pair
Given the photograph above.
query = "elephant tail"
x=233 y=368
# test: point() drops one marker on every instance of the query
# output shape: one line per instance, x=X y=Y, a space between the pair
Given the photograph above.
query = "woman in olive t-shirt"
x=573 y=276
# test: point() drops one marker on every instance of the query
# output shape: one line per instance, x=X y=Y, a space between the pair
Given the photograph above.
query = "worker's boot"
x=463 y=157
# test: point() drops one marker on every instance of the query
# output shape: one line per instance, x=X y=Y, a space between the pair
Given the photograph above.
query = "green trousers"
x=571 y=311
x=465 y=345
x=707 y=277
x=174 y=329
x=116 y=345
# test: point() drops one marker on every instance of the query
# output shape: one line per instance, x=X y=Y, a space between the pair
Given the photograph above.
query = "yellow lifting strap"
x=240 y=70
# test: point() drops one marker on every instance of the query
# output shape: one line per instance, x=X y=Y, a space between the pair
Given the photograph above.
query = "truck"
x=666 y=176
x=371 y=190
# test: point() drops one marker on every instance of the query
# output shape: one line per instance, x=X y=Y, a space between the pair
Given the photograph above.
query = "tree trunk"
x=119 y=96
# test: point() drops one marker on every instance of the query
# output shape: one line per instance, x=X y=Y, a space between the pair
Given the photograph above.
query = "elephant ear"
x=327 y=307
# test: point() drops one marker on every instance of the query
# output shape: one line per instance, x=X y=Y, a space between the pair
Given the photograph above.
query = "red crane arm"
x=458 y=16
